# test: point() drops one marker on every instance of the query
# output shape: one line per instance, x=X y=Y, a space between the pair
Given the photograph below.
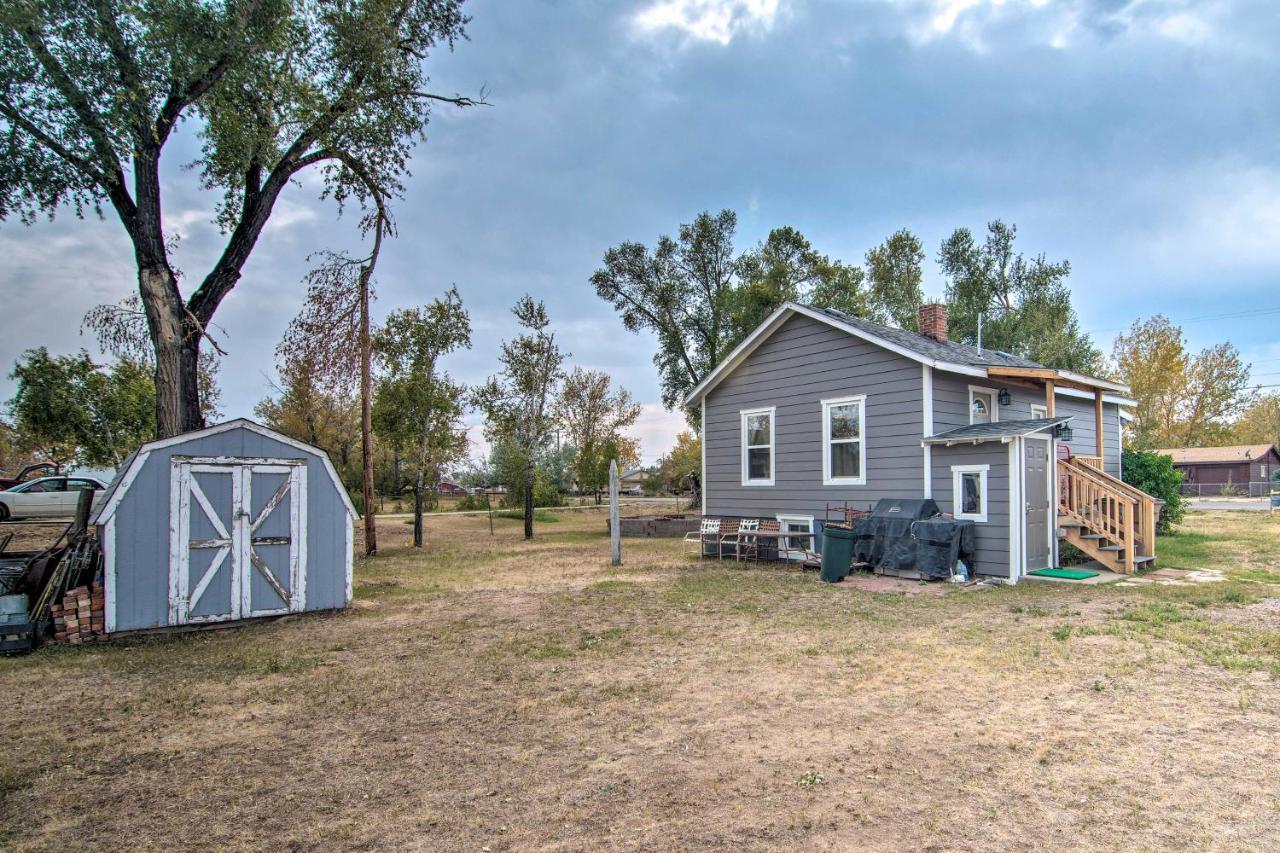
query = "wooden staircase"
x=1105 y=517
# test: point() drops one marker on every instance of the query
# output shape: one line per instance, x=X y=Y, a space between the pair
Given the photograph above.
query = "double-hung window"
x=1038 y=411
x=969 y=491
x=757 y=446
x=844 y=445
x=984 y=408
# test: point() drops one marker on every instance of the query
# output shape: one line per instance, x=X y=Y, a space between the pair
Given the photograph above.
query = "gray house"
x=226 y=523
x=817 y=408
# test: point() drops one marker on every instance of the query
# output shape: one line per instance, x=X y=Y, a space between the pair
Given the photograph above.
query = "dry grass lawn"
x=492 y=694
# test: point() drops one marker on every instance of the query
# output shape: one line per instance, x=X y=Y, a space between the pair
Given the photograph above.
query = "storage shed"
x=231 y=522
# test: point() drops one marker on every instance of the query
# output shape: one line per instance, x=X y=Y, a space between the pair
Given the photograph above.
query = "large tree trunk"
x=530 y=471
x=417 y=510
x=163 y=306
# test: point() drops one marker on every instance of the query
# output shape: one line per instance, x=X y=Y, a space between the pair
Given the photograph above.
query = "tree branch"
x=14 y=115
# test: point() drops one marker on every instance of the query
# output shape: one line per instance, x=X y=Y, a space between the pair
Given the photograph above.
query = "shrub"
x=1155 y=475
x=470 y=503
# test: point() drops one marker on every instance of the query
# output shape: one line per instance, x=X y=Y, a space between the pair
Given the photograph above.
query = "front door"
x=237 y=540
x=1036 y=492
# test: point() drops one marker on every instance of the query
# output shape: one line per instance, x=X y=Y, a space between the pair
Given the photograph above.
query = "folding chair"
x=745 y=528
x=758 y=548
x=707 y=533
x=728 y=535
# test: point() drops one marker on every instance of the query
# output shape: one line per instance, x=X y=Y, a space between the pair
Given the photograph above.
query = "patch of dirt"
x=492 y=693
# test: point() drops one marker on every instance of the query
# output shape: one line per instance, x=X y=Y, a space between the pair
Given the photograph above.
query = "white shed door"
x=237 y=538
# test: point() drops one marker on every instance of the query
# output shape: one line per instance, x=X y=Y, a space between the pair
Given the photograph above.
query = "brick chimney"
x=932 y=320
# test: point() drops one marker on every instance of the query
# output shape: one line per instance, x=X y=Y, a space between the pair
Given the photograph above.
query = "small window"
x=983 y=406
x=844 y=457
x=757 y=447
x=795 y=548
x=969 y=500
x=1039 y=411
x=81 y=486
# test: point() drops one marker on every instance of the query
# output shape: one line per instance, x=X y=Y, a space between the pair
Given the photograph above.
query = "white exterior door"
x=237 y=538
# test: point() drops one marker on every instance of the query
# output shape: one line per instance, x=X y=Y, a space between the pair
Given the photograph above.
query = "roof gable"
x=134 y=463
x=951 y=356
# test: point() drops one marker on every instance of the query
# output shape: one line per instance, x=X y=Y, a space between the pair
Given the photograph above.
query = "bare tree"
x=332 y=336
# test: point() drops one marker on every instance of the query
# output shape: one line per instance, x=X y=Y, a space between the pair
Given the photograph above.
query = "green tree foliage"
x=519 y=402
x=76 y=412
x=684 y=459
x=895 y=270
x=417 y=408
x=1183 y=400
x=511 y=470
x=304 y=409
x=1259 y=423
x=594 y=415
x=91 y=94
x=700 y=298
x=1025 y=304
x=1154 y=474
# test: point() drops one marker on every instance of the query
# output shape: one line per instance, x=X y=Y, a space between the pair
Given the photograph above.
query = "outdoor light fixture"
x=1064 y=432
x=1005 y=397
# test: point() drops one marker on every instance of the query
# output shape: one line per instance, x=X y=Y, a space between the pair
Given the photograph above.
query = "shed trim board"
x=139 y=459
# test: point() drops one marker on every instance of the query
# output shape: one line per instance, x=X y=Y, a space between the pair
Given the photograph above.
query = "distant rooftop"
x=1234 y=453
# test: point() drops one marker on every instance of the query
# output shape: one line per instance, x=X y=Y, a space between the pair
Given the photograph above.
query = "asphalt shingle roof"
x=1235 y=453
x=952 y=351
x=997 y=430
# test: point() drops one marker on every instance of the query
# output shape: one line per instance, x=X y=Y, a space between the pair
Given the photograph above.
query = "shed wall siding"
x=141 y=574
x=992 y=534
x=797 y=367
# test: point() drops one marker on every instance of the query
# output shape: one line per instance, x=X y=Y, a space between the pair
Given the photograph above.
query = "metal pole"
x=615 y=532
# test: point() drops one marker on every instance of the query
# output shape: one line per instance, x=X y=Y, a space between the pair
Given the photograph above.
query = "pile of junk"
x=34 y=584
x=905 y=538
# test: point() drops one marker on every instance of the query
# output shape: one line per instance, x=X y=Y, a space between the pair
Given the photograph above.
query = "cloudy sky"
x=1140 y=139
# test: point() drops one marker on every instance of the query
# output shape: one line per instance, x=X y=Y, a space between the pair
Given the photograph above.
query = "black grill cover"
x=942 y=541
x=911 y=537
x=913 y=508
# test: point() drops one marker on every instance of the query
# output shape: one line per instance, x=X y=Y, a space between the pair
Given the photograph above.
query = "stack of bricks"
x=78 y=617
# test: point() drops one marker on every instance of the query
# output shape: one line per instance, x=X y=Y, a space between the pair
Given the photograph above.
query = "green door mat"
x=1065 y=574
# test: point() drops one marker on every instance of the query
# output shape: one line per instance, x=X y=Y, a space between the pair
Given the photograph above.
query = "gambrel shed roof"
x=129 y=470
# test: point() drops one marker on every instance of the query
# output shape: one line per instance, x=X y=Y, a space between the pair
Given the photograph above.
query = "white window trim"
x=771 y=411
x=1041 y=408
x=793 y=553
x=995 y=402
x=957 y=474
x=827 y=405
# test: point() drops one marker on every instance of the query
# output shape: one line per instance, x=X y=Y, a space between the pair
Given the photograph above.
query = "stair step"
x=1143 y=559
x=1091 y=536
x=1111 y=548
x=1067 y=521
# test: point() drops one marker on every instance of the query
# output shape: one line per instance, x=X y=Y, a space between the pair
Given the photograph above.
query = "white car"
x=47 y=497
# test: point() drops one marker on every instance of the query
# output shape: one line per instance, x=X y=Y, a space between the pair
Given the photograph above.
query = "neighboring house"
x=816 y=408
x=448 y=488
x=632 y=478
x=1213 y=470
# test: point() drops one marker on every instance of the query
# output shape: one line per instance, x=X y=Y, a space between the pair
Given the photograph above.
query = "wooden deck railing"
x=1108 y=507
x=1094 y=462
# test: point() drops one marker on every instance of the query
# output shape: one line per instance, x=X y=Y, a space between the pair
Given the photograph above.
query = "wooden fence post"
x=615 y=531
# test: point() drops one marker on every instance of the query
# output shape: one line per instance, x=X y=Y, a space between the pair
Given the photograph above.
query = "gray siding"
x=797 y=367
x=951 y=410
x=993 y=534
x=142 y=529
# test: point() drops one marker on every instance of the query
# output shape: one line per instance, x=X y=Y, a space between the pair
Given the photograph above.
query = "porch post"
x=1050 y=392
x=1097 y=422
